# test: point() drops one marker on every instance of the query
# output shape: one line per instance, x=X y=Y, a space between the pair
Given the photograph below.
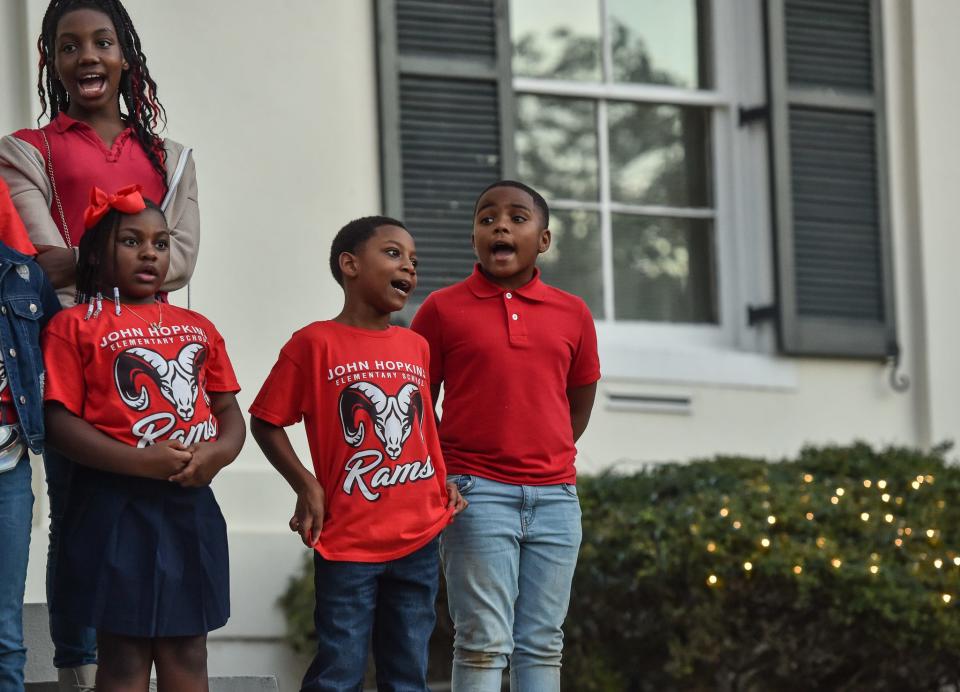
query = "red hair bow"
x=127 y=200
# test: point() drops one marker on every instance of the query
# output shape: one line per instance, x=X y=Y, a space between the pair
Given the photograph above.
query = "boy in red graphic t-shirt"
x=379 y=499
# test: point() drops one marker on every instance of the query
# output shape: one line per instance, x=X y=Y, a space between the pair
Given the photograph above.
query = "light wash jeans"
x=509 y=560
x=16 y=514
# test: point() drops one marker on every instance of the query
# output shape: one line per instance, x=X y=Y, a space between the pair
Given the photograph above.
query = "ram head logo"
x=392 y=416
x=177 y=379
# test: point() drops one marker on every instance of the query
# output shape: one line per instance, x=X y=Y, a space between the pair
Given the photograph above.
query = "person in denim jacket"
x=27 y=302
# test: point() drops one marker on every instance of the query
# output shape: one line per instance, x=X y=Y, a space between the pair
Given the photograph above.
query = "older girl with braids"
x=104 y=113
x=142 y=398
x=102 y=103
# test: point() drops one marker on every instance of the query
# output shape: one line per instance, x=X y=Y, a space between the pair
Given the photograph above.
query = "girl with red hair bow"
x=103 y=130
x=142 y=399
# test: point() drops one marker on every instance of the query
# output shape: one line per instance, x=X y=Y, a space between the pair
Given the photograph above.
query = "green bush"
x=852 y=583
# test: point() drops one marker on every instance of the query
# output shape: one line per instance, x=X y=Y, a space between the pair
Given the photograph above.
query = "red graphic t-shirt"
x=137 y=382
x=364 y=396
x=8 y=412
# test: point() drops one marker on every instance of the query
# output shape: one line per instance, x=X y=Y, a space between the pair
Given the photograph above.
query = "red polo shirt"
x=81 y=160
x=506 y=359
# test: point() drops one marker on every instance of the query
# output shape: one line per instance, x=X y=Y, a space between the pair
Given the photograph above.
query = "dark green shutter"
x=446 y=122
x=835 y=287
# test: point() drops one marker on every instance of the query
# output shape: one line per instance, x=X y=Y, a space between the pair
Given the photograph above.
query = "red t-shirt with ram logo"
x=135 y=377
x=364 y=397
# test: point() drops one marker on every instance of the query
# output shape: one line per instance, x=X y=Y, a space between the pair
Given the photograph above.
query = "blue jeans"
x=16 y=514
x=73 y=645
x=394 y=602
x=509 y=560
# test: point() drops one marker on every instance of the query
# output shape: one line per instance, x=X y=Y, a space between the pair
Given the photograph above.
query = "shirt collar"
x=482 y=287
x=64 y=122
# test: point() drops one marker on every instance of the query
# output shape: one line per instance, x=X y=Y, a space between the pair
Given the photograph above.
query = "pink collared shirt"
x=81 y=160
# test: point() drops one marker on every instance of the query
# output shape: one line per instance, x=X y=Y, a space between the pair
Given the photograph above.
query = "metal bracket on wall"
x=757 y=314
x=898 y=381
x=751 y=114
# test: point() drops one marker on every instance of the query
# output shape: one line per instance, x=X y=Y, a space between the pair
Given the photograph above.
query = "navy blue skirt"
x=142 y=557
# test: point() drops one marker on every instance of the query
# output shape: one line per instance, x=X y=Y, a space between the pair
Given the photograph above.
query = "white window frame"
x=728 y=352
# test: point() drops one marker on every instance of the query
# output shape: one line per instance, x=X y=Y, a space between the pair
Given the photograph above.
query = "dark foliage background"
x=853 y=579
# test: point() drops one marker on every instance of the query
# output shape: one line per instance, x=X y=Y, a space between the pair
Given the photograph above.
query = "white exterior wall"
x=279 y=101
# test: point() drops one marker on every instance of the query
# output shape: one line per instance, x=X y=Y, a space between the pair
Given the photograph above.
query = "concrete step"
x=235 y=684
x=41 y=676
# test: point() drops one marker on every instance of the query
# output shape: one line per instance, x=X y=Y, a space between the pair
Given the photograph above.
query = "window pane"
x=657 y=42
x=556 y=39
x=574 y=261
x=557 y=146
x=659 y=154
x=663 y=269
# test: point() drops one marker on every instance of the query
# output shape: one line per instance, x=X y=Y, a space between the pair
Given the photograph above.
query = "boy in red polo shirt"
x=379 y=498
x=518 y=362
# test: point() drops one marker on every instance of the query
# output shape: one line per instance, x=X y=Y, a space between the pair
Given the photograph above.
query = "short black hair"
x=538 y=201
x=92 y=251
x=353 y=235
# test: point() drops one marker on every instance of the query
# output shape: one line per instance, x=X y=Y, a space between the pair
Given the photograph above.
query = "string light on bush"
x=797 y=569
x=807 y=478
x=839 y=492
x=946 y=597
x=711 y=547
x=771 y=520
x=724 y=512
x=712 y=580
x=881 y=484
x=931 y=533
x=747 y=566
x=765 y=542
x=874 y=569
x=865 y=516
x=899 y=500
x=885 y=497
x=938 y=563
x=867 y=483
x=835 y=500
x=809 y=516
x=928 y=478
x=836 y=562
x=898 y=542
x=908 y=530
x=737 y=525
x=821 y=541
x=888 y=518
x=956 y=561
x=915 y=485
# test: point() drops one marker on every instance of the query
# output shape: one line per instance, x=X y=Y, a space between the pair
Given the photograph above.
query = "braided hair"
x=137 y=88
x=93 y=251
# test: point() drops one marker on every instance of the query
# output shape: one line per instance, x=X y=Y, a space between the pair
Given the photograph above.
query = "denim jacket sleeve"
x=27 y=302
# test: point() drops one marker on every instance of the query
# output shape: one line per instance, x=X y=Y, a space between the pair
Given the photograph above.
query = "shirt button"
x=515 y=317
x=23 y=399
x=13 y=353
x=3 y=310
x=33 y=308
x=509 y=295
